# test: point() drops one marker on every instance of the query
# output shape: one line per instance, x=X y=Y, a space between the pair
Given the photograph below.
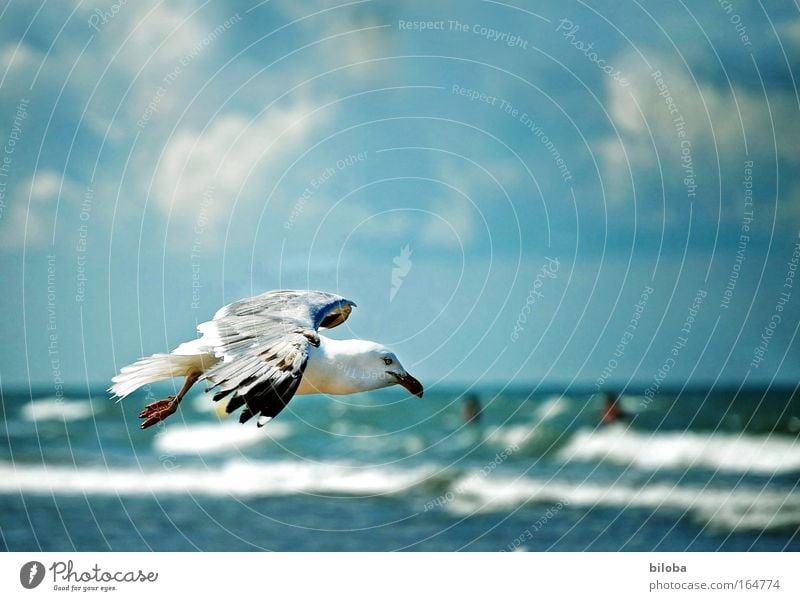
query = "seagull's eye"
x=387 y=361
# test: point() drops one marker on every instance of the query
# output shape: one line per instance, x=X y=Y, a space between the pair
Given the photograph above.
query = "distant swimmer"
x=612 y=412
x=471 y=409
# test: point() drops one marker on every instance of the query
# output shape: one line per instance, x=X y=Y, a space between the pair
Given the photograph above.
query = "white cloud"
x=467 y=190
x=452 y=224
x=29 y=220
x=226 y=153
x=639 y=112
x=696 y=102
x=225 y=156
x=614 y=158
x=359 y=35
x=790 y=32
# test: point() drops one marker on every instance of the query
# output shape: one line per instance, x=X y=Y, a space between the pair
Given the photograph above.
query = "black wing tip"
x=246 y=416
x=221 y=394
x=233 y=404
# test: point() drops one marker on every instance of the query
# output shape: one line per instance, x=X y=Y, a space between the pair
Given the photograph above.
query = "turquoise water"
x=381 y=471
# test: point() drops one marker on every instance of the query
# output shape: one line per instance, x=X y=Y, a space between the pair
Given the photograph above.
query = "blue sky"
x=577 y=185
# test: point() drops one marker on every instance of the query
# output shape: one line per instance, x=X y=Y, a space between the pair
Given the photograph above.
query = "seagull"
x=262 y=351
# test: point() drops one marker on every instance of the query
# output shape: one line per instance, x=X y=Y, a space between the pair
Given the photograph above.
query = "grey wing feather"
x=309 y=307
x=264 y=344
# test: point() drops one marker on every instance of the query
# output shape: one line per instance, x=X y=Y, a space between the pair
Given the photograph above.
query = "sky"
x=550 y=193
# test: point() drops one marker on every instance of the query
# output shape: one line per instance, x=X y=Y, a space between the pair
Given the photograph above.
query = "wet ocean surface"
x=379 y=471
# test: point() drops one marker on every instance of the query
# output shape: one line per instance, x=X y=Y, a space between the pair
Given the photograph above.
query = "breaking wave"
x=463 y=493
x=56 y=409
x=216 y=438
x=739 y=453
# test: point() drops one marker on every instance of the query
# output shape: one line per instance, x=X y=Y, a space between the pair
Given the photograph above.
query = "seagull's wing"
x=264 y=344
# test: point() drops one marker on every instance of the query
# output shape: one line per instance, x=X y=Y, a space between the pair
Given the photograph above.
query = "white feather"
x=162 y=366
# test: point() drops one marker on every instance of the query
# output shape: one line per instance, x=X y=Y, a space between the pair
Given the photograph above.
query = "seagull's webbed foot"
x=158 y=411
x=161 y=410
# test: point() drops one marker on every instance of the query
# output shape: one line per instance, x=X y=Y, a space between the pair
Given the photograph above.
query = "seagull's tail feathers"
x=160 y=366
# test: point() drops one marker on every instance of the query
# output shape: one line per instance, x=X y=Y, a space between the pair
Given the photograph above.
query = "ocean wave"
x=535 y=440
x=550 y=427
x=216 y=437
x=56 y=409
x=742 y=508
x=235 y=478
x=740 y=453
x=745 y=507
x=554 y=406
x=202 y=403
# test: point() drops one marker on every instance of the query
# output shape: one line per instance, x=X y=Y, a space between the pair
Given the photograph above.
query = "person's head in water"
x=471 y=409
x=611 y=408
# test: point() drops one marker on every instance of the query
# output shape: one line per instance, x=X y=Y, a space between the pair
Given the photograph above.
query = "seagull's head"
x=385 y=369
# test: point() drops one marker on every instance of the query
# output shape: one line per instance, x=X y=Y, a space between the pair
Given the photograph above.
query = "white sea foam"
x=528 y=439
x=746 y=507
x=236 y=478
x=203 y=403
x=545 y=432
x=752 y=453
x=56 y=409
x=215 y=437
x=552 y=407
x=742 y=508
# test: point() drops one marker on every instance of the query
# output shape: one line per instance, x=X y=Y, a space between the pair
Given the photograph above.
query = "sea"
x=700 y=470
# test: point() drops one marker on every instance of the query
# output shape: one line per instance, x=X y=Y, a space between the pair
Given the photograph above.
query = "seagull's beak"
x=408 y=382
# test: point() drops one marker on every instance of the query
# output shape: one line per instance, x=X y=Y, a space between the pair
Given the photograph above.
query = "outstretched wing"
x=264 y=344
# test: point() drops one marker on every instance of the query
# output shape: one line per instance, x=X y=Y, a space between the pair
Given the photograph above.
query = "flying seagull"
x=260 y=352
